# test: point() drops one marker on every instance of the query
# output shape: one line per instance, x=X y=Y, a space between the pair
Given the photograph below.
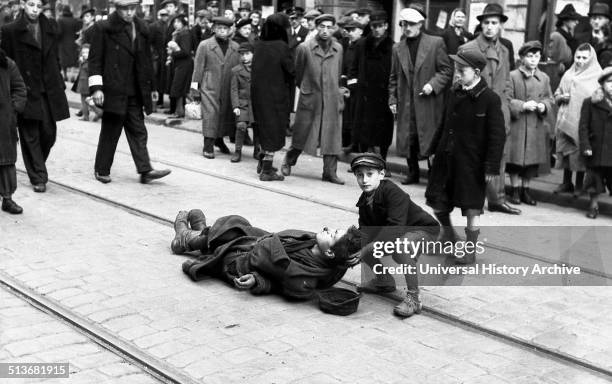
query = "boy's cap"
x=325 y=17
x=223 y=21
x=530 y=46
x=605 y=74
x=245 y=47
x=368 y=159
x=471 y=57
x=242 y=22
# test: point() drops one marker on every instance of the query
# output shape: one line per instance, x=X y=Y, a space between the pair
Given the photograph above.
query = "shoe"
x=40 y=187
x=592 y=214
x=180 y=227
x=260 y=167
x=332 y=178
x=236 y=157
x=271 y=176
x=147 y=177
x=504 y=208
x=469 y=257
x=286 y=169
x=209 y=155
x=196 y=219
x=222 y=147
x=526 y=197
x=375 y=286
x=409 y=306
x=410 y=180
x=564 y=188
x=514 y=197
x=105 y=179
x=79 y=114
x=8 y=205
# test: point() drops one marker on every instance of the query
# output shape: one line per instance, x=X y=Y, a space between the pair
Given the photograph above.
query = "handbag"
x=193 y=110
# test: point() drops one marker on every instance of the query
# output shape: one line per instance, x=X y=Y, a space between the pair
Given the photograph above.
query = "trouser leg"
x=292 y=155
x=110 y=131
x=136 y=134
x=84 y=107
x=31 y=151
x=48 y=129
x=8 y=180
x=496 y=189
x=180 y=107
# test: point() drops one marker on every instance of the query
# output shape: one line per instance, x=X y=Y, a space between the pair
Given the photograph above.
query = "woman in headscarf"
x=455 y=34
x=272 y=75
x=578 y=83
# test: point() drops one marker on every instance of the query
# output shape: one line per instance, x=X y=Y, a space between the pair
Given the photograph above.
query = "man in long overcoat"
x=373 y=120
x=420 y=73
x=121 y=83
x=158 y=37
x=32 y=42
x=497 y=75
x=212 y=77
x=69 y=28
x=318 y=120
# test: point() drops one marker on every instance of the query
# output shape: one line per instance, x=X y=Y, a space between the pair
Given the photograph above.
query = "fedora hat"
x=600 y=9
x=493 y=9
x=568 y=13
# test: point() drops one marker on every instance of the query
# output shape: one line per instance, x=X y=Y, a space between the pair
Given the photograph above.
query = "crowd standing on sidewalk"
x=453 y=98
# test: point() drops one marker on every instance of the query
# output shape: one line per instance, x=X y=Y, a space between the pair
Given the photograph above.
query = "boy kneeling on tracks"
x=293 y=263
x=387 y=214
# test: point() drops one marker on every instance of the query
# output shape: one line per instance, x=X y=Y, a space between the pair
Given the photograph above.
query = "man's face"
x=598 y=22
x=465 y=75
x=88 y=18
x=354 y=16
x=532 y=59
x=32 y=8
x=607 y=86
x=295 y=21
x=244 y=13
x=491 y=27
x=245 y=30
x=127 y=13
x=328 y=237
x=325 y=30
x=177 y=24
x=221 y=31
x=363 y=19
x=369 y=178
x=379 y=29
x=354 y=33
x=459 y=19
x=311 y=23
x=171 y=8
x=255 y=19
x=203 y=22
x=581 y=58
x=14 y=8
x=164 y=18
x=410 y=29
x=246 y=57
x=214 y=10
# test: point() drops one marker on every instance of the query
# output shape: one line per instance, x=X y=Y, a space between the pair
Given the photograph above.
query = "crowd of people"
x=351 y=87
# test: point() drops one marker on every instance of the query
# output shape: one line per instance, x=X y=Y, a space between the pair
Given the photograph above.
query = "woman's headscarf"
x=275 y=27
x=451 y=20
x=579 y=83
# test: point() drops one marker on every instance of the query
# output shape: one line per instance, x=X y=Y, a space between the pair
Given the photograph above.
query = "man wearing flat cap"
x=318 y=119
x=202 y=29
x=121 y=83
x=31 y=41
x=244 y=10
x=497 y=75
x=211 y=81
x=420 y=73
x=310 y=17
x=373 y=121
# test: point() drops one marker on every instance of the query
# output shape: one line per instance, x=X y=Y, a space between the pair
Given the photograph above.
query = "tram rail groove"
x=428 y=311
x=152 y=366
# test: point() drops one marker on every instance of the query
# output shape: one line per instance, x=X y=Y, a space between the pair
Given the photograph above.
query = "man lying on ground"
x=293 y=263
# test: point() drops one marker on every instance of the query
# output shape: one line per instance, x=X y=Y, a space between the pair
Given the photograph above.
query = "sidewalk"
x=542 y=187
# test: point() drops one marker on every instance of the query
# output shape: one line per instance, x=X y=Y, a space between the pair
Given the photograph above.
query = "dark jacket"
x=241 y=92
x=111 y=58
x=373 y=120
x=12 y=101
x=198 y=35
x=595 y=131
x=272 y=77
x=453 y=41
x=469 y=145
x=297 y=39
x=39 y=66
x=69 y=28
x=392 y=211
x=182 y=65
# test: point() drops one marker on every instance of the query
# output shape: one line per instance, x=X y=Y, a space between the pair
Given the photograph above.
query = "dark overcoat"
x=454 y=41
x=69 y=28
x=272 y=78
x=469 y=145
x=241 y=92
x=529 y=131
x=406 y=81
x=12 y=101
x=38 y=64
x=373 y=120
x=157 y=33
x=595 y=131
x=112 y=55
x=182 y=65
x=298 y=38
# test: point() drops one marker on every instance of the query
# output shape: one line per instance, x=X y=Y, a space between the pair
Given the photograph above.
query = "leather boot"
x=268 y=173
x=526 y=197
x=413 y=172
x=209 y=149
x=219 y=143
x=330 y=166
x=409 y=306
x=240 y=132
x=514 y=197
x=196 y=219
x=10 y=206
x=470 y=257
x=183 y=233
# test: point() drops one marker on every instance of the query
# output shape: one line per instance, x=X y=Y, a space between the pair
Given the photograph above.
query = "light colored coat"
x=213 y=73
x=432 y=66
x=319 y=111
x=529 y=130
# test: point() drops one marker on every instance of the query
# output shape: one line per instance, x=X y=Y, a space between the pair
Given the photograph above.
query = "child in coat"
x=241 y=97
x=83 y=86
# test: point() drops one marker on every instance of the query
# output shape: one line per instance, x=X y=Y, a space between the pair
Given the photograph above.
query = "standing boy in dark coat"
x=32 y=42
x=386 y=214
x=121 y=83
x=468 y=148
x=241 y=97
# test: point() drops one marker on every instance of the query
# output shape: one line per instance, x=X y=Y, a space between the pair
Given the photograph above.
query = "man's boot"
x=268 y=173
x=413 y=171
x=221 y=145
x=10 y=206
x=330 y=166
x=470 y=257
x=196 y=219
x=180 y=108
x=409 y=306
x=183 y=235
x=240 y=132
x=209 y=149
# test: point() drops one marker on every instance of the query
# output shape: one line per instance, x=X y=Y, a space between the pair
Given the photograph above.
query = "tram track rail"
x=140 y=360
